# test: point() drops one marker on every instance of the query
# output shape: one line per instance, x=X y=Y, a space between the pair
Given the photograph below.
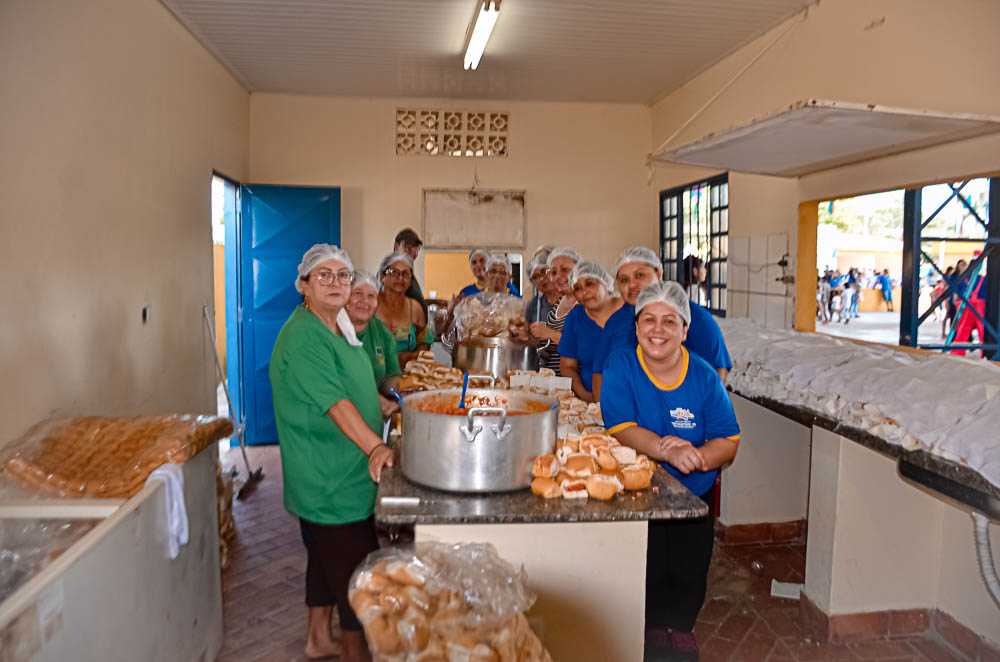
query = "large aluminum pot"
x=497 y=356
x=487 y=449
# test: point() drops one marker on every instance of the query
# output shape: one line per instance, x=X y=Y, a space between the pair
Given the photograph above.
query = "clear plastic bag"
x=435 y=601
x=29 y=545
x=490 y=315
x=108 y=458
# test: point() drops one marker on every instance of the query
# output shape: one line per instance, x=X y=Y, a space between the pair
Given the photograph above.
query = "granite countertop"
x=953 y=471
x=671 y=501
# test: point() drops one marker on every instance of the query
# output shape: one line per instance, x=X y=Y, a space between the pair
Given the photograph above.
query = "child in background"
x=847 y=303
x=836 y=303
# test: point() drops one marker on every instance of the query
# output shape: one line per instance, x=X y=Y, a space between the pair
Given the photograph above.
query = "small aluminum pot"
x=485 y=450
x=497 y=356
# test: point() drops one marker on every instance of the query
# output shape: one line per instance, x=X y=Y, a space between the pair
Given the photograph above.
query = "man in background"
x=409 y=242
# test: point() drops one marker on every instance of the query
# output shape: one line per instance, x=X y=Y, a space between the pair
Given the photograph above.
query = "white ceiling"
x=558 y=50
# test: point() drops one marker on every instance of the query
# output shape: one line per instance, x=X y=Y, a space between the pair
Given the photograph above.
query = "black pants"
x=334 y=551
x=677 y=560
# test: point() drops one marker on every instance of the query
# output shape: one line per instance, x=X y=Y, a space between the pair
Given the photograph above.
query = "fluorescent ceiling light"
x=482 y=28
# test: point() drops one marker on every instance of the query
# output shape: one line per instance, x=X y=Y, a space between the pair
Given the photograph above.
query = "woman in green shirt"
x=380 y=345
x=329 y=421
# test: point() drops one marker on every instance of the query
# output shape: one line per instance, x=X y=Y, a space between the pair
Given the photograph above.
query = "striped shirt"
x=548 y=356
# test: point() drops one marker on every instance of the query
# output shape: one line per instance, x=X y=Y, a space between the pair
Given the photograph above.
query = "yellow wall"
x=112 y=118
x=581 y=165
x=446 y=273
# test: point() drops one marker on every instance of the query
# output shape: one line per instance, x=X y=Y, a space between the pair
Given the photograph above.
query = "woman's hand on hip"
x=381 y=456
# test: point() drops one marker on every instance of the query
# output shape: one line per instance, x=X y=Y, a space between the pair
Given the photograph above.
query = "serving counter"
x=585 y=559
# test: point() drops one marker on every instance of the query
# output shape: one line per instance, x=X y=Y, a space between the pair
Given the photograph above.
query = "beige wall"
x=877 y=542
x=582 y=166
x=909 y=53
x=112 y=118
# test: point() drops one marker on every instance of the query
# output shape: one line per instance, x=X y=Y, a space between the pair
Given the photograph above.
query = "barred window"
x=451 y=132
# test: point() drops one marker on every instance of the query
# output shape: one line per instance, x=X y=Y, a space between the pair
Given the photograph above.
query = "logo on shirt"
x=682 y=419
x=379 y=355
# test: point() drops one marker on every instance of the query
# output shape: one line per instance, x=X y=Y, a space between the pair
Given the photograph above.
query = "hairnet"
x=362 y=277
x=590 y=269
x=562 y=251
x=498 y=258
x=637 y=254
x=669 y=292
x=317 y=254
x=544 y=249
x=395 y=257
x=535 y=264
x=477 y=251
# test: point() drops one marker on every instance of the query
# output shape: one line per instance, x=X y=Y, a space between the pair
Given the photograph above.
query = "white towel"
x=347 y=328
x=177 y=519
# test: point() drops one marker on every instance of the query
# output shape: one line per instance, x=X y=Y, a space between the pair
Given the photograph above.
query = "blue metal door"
x=277 y=225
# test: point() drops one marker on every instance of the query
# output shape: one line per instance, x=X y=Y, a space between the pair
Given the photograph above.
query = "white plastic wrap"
x=27 y=546
x=437 y=601
x=490 y=315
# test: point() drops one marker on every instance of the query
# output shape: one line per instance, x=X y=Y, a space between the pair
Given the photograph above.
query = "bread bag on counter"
x=438 y=602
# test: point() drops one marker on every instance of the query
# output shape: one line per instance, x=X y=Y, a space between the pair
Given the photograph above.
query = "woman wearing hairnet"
x=329 y=422
x=378 y=340
x=671 y=405
x=593 y=288
x=403 y=315
x=560 y=264
x=636 y=268
x=477 y=261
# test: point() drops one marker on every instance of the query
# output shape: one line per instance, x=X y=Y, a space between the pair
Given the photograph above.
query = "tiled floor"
x=263 y=591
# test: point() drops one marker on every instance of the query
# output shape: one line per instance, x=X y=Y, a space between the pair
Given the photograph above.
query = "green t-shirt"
x=381 y=347
x=325 y=473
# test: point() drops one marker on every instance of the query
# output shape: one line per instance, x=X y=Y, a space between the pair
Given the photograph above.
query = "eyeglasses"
x=398 y=273
x=343 y=277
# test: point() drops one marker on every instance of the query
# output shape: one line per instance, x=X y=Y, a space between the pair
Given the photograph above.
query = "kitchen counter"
x=585 y=559
x=666 y=499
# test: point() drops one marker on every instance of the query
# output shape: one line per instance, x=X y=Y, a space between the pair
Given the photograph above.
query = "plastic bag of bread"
x=437 y=602
x=107 y=458
x=490 y=315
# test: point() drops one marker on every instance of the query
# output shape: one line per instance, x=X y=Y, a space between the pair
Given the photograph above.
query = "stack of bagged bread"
x=425 y=374
x=444 y=603
x=590 y=464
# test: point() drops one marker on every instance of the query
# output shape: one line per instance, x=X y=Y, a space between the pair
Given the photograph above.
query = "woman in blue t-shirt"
x=477 y=262
x=593 y=288
x=671 y=405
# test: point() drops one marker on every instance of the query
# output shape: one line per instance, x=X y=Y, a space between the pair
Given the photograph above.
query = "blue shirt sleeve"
x=618 y=406
x=568 y=344
x=614 y=338
x=512 y=288
x=706 y=340
x=469 y=290
x=720 y=419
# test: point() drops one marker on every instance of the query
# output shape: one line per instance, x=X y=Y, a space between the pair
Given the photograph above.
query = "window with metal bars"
x=694 y=225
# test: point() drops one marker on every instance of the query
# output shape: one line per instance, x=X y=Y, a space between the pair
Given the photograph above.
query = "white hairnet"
x=362 y=278
x=498 y=258
x=590 y=269
x=536 y=264
x=318 y=254
x=669 y=292
x=544 y=250
x=395 y=257
x=478 y=251
x=637 y=254
x=562 y=251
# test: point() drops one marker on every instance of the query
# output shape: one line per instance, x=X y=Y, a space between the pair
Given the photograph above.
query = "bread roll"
x=414 y=631
x=580 y=465
x=574 y=489
x=411 y=574
x=393 y=601
x=408 y=382
x=545 y=466
x=636 y=477
x=383 y=636
x=369 y=580
x=603 y=487
x=605 y=459
x=624 y=454
x=546 y=487
x=563 y=453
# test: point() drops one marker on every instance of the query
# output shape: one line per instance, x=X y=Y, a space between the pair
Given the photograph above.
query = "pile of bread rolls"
x=591 y=464
x=417 y=611
x=425 y=374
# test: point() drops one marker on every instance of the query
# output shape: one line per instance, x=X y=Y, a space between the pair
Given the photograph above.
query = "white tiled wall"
x=754 y=288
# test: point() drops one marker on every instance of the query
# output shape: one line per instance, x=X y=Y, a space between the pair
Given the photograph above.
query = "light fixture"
x=482 y=28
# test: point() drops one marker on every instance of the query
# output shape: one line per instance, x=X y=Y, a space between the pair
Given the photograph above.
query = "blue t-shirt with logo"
x=695 y=408
x=704 y=338
x=581 y=336
x=472 y=289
